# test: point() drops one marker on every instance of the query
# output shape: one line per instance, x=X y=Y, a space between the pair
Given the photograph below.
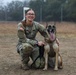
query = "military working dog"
x=51 y=48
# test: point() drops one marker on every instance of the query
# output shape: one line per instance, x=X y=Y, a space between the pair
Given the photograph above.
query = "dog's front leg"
x=47 y=49
x=56 y=49
x=46 y=61
x=56 y=62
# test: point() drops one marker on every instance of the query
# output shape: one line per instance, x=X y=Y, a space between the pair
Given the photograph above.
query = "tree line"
x=46 y=10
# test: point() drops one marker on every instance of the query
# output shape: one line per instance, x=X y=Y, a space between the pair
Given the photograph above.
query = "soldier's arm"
x=42 y=31
x=22 y=36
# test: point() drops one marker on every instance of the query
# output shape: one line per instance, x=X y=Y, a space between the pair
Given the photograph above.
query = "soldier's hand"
x=21 y=29
x=41 y=43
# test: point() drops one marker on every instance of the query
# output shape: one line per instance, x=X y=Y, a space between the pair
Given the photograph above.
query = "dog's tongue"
x=52 y=37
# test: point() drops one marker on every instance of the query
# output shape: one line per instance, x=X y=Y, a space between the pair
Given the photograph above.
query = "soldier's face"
x=30 y=16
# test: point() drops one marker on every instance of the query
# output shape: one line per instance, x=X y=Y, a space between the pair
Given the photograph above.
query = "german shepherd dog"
x=51 y=48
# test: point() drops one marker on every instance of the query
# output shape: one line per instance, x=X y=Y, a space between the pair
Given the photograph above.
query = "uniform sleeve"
x=32 y=42
x=42 y=30
x=22 y=36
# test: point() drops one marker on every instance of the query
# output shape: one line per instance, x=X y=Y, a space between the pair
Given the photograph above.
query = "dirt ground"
x=10 y=59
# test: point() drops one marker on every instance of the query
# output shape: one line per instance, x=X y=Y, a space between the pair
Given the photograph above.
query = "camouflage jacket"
x=29 y=33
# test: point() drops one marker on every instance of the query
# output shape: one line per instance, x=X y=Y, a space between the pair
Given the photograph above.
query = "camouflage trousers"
x=26 y=50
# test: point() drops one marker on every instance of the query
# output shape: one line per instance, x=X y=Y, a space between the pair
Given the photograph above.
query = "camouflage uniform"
x=27 y=43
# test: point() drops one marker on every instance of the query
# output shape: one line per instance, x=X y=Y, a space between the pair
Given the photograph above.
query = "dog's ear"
x=54 y=23
x=46 y=25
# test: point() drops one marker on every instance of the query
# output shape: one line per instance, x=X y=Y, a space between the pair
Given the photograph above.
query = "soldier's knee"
x=27 y=47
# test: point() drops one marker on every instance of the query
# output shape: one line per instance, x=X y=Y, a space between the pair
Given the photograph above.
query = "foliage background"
x=46 y=10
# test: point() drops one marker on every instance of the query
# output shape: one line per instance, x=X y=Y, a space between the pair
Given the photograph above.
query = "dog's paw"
x=44 y=69
x=55 y=68
x=60 y=67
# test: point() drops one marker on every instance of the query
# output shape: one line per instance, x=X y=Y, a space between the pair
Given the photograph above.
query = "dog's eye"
x=54 y=27
x=49 y=26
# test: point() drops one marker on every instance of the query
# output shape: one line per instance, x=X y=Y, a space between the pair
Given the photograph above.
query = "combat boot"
x=25 y=67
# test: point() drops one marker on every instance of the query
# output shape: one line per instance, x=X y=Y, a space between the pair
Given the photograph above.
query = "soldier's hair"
x=27 y=10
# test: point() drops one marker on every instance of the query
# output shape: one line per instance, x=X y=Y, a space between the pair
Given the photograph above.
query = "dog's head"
x=52 y=31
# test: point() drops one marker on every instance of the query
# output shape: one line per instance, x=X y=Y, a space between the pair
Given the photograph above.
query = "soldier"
x=27 y=44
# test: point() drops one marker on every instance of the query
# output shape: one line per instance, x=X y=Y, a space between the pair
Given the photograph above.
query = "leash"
x=41 y=53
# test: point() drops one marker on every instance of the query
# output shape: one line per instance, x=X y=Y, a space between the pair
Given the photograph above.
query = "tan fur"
x=58 y=59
